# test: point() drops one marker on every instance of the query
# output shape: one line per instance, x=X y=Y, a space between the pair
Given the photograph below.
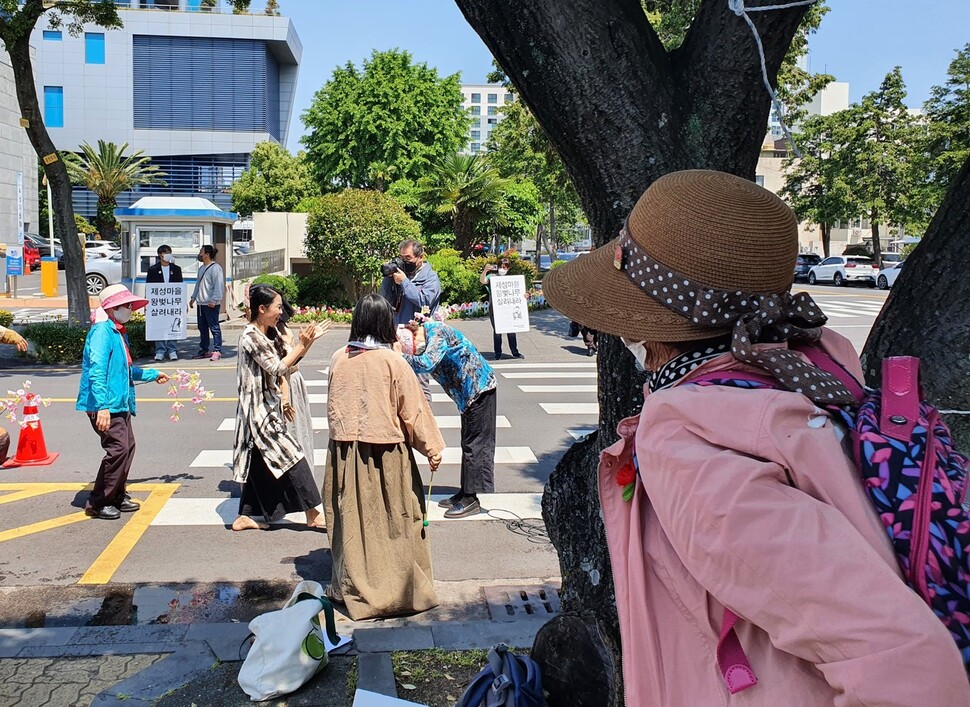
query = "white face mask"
x=167 y=258
x=639 y=352
x=502 y=271
x=122 y=314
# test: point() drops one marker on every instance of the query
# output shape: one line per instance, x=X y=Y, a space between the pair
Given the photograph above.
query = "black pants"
x=118 y=444
x=478 y=445
x=497 y=338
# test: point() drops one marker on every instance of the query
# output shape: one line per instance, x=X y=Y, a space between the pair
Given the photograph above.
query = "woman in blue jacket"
x=107 y=395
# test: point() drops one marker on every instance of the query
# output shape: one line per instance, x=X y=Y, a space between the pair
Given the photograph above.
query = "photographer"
x=409 y=283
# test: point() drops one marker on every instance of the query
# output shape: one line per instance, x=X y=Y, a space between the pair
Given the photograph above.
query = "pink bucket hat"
x=118 y=295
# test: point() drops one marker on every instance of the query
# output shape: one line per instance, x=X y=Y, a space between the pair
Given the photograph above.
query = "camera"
x=392 y=266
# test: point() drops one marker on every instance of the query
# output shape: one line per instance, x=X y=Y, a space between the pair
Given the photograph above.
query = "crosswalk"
x=563 y=391
x=849 y=309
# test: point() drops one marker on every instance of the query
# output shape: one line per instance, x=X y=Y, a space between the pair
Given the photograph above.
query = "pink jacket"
x=746 y=499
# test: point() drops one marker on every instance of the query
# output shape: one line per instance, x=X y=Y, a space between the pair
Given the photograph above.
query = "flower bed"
x=467 y=310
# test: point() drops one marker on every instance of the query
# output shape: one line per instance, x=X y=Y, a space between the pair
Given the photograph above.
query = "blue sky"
x=860 y=41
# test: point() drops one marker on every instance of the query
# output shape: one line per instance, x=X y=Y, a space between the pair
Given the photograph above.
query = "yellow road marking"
x=35 y=371
x=124 y=542
x=43 y=525
x=52 y=486
x=20 y=495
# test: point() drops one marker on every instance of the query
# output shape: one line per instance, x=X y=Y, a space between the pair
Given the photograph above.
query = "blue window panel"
x=54 y=106
x=52 y=35
x=93 y=48
x=205 y=83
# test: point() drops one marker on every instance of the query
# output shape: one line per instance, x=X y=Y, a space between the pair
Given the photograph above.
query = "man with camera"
x=410 y=284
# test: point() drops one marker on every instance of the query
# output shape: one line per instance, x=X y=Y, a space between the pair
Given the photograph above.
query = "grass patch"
x=352 y=680
x=435 y=677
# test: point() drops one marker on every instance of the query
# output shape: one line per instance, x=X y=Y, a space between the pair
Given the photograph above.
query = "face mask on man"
x=122 y=314
x=199 y=257
x=167 y=258
x=639 y=352
x=410 y=268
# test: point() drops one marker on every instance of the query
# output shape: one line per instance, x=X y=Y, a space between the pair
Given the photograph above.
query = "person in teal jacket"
x=107 y=395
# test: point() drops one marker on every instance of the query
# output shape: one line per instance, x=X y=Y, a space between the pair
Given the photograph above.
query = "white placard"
x=166 y=311
x=509 y=305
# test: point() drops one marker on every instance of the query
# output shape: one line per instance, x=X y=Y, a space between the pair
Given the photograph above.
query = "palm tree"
x=469 y=190
x=381 y=174
x=108 y=172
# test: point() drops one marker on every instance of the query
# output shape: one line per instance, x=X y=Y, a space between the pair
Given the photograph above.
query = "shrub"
x=517 y=266
x=459 y=283
x=320 y=288
x=6 y=318
x=280 y=283
x=56 y=342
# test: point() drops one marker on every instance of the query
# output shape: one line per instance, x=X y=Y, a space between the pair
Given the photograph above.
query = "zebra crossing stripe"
x=445 y=422
x=550 y=374
x=571 y=408
x=215 y=458
x=580 y=432
x=578 y=364
x=557 y=388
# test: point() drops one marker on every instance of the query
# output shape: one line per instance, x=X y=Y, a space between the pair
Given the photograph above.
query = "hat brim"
x=133 y=301
x=592 y=291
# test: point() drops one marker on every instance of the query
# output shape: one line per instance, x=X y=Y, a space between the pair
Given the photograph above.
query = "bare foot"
x=247 y=523
x=315 y=519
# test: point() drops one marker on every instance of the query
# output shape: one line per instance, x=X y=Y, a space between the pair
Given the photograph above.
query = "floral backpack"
x=915 y=478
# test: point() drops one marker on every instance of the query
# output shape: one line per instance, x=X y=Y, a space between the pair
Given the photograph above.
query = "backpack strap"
x=822 y=360
x=900 y=397
x=731 y=660
x=734 y=376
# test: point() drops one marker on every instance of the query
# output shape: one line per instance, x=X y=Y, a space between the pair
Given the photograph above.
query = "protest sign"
x=165 y=313
x=510 y=309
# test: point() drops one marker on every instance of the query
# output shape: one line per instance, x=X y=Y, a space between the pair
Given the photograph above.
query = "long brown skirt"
x=372 y=496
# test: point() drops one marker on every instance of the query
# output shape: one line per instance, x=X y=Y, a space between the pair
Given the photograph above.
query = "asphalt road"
x=180 y=473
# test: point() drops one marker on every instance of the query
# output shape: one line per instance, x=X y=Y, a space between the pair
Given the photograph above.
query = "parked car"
x=544 y=263
x=890 y=259
x=106 y=247
x=43 y=245
x=804 y=263
x=99 y=272
x=31 y=255
x=887 y=276
x=843 y=269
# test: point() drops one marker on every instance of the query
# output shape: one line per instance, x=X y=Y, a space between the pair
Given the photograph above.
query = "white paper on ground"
x=364 y=698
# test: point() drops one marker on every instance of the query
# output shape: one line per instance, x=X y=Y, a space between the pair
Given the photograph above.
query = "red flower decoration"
x=626 y=474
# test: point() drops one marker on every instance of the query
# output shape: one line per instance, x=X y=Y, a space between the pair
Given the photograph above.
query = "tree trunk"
x=552 y=245
x=826 y=238
x=78 y=311
x=926 y=313
x=874 y=229
x=106 y=218
x=621 y=112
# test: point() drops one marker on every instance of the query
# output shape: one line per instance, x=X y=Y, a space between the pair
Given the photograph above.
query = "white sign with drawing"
x=166 y=311
x=509 y=304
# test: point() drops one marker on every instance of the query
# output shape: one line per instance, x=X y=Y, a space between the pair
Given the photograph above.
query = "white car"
x=104 y=247
x=887 y=276
x=843 y=269
x=101 y=272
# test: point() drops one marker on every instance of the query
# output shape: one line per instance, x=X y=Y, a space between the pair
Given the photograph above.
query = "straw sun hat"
x=707 y=228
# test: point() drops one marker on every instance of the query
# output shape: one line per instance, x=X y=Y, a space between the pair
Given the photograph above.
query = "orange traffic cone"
x=31 y=448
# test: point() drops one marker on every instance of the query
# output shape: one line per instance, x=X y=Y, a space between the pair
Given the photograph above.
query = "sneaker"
x=451 y=500
x=203 y=354
x=173 y=356
x=518 y=355
x=159 y=357
x=215 y=356
x=467 y=506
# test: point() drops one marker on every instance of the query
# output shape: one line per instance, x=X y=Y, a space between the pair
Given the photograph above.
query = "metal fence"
x=253 y=264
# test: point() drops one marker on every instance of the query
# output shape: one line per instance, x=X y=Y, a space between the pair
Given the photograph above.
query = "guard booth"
x=183 y=223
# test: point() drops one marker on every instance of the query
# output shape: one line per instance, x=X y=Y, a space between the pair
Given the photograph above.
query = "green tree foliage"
x=948 y=128
x=357 y=230
x=522 y=211
x=815 y=184
x=107 y=172
x=459 y=283
x=469 y=190
x=274 y=181
x=409 y=195
x=392 y=112
x=272 y=8
x=882 y=157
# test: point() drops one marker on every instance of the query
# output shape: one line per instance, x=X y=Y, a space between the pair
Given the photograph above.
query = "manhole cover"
x=515 y=603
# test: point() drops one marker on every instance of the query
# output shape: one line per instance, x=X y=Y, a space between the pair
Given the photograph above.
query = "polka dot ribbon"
x=756 y=319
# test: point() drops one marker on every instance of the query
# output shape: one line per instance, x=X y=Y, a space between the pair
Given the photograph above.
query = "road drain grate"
x=517 y=603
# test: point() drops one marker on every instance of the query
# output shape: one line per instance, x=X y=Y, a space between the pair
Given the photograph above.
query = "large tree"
x=621 y=110
x=107 y=172
x=274 y=181
x=17 y=20
x=392 y=112
x=948 y=127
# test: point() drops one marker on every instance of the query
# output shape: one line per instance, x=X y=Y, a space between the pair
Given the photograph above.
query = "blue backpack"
x=508 y=680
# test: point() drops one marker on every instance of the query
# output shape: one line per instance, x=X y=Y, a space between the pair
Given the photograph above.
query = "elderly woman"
x=372 y=489
x=736 y=523
x=268 y=459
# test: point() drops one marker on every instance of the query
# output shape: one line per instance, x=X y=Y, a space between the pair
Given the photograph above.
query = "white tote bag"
x=290 y=646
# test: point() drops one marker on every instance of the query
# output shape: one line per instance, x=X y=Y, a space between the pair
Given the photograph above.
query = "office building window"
x=493 y=98
x=52 y=35
x=93 y=48
x=493 y=121
x=476 y=147
x=54 y=106
x=492 y=110
x=476 y=134
x=759 y=179
x=508 y=97
x=476 y=98
x=475 y=110
x=477 y=123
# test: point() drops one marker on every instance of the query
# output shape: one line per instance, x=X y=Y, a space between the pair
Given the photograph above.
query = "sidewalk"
x=197 y=664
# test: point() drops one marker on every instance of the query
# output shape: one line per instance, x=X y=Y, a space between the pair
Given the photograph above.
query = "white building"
x=18 y=167
x=483 y=103
x=194 y=88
